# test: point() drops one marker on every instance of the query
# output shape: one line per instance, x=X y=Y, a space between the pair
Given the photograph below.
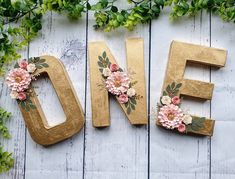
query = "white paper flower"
x=166 y=100
x=31 y=68
x=106 y=72
x=187 y=119
x=131 y=92
x=14 y=94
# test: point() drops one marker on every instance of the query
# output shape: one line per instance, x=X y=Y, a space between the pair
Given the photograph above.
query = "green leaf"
x=104 y=55
x=114 y=9
x=173 y=85
x=133 y=100
x=100 y=58
x=128 y=110
x=100 y=64
x=132 y=106
x=178 y=85
x=45 y=65
x=165 y=93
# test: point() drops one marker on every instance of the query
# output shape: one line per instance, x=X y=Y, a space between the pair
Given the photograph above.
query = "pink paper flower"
x=175 y=100
x=18 y=79
x=170 y=116
x=117 y=83
x=114 y=67
x=21 y=96
x=182 y=128
x=23 y=64
x=123 y=98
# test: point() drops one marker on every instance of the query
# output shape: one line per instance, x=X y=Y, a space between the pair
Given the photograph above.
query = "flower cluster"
x=118 y=83
x=19 y=79
x=170 y=115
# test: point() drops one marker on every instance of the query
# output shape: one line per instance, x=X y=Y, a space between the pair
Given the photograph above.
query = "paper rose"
x=123 y=98
x=31 y=68
x=18 y=80
x=166 y=100
x=117 y=83
x=21 y=96
x=114 y=67
x=170 y=116
x=187 y=119
x=106 y=72
x=182 y=128
x=131 y=92
x=23 y=64
x=175 y=100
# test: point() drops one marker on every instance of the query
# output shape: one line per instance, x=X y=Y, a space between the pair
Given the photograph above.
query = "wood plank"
x=173 y=155
x=223 y=143
x=16 y=125
x=121 y=150
x=63 y=160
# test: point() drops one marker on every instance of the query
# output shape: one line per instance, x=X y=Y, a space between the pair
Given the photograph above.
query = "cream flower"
x=187 y=119
x=166 y=100
x=14 y=94
x=106 y=72
x=131 y=92
x=31 y=68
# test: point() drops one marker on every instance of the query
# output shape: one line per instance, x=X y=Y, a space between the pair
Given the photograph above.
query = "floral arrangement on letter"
x=20 y=78
x=171 y=116
x=118 y=83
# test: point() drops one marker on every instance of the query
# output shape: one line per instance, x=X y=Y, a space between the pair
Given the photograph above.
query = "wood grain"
x=180 y=54
x=100 y=96
x=223 y=143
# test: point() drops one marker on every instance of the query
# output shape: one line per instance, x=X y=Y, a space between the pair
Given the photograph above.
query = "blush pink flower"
x=18 y=80
x=23 y=64
x=182 y=128
x=117 y=83
x=114 y=67
x=175 y=100
x=22 y=96
x=123 y=98
x=170 y=116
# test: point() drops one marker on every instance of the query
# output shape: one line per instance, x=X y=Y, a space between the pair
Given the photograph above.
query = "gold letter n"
x=100 y=97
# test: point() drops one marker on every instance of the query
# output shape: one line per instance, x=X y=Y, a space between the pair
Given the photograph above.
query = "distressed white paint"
x=121 y=150
x=223 y=144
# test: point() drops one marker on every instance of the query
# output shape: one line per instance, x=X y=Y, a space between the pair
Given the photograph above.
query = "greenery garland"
x=21 y=20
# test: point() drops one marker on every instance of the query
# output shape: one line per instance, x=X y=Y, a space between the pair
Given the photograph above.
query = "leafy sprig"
x=6 y=159
x=172 y=89
x=4 y=117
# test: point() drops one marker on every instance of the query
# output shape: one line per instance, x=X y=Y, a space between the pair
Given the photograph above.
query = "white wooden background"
x=123 y=151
